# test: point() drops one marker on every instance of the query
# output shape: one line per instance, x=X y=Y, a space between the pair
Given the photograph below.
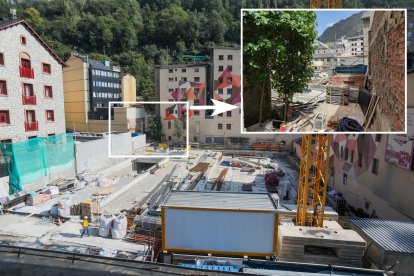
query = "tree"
x=154 y=128
x=178 y=128
x=278 y=45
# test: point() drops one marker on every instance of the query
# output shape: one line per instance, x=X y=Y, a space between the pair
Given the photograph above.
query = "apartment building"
x=182 y=82
x=89 y=85
x=197 y=84
x=225 y=71
x=31 y=90
x=354 y=46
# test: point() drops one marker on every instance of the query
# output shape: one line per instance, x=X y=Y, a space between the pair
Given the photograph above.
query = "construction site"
x=257 y=211
x=346 y=88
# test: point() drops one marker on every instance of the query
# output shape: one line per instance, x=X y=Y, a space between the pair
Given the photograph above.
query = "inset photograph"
x=323 y=71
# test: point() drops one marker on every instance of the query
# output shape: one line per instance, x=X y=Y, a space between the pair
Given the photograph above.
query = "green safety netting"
x=29 y=160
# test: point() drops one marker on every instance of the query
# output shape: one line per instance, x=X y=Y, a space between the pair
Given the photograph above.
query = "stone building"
x=31 y=87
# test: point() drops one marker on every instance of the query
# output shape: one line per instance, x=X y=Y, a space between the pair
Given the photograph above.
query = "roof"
x=220 y=200
x=395 y=236
x=4 y=24
x=96 y=64
x=182 y=65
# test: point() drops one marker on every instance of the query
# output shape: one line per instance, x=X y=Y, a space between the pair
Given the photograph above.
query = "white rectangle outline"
x=307 y=132
x=150 y=156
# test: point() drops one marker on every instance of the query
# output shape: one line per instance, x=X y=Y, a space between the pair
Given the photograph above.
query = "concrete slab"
x=17 y=225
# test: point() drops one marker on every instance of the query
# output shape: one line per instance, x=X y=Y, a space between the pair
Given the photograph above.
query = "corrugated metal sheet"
x=396 y=236
x=221 y=200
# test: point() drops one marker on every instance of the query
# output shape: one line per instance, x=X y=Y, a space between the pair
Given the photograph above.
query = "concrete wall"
x=387 y=69
x=11 y=48
x=94 y=155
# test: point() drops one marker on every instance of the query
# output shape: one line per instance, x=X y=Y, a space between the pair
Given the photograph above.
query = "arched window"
x=25 y=60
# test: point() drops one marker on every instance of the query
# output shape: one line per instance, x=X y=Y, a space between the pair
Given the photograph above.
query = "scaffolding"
x=313 y=179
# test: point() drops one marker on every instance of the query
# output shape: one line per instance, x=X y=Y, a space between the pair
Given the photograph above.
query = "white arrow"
x=219 y=107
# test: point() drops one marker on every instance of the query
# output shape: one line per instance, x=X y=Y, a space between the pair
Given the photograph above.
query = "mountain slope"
x=348 y=27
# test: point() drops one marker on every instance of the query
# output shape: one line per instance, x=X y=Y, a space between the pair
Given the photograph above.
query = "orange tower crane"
x=328 y=4
x=314 y=164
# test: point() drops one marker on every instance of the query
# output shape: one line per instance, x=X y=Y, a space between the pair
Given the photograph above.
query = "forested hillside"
x=136 y=34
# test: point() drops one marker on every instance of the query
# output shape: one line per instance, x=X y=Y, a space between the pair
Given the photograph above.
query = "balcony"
x=31 y=126
x=27 y=72
x=29 y=100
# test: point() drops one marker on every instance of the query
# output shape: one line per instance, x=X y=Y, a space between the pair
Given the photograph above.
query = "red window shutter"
x=1 y=59
x=3 y=88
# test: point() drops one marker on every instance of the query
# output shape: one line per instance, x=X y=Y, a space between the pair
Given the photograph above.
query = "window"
x=170 y=100
x=4 y=117
x=183 y=79
x=410 y=34
x=48 y=92
x=228 y=113
x=51 y=134
x=220 y=91
x=359 y=159
x=170 y=70
x=377 y=137
x=230 y=68
x=342 y=152
x=196 y=112
x=221 y=57
x=196 y=91
x=6 y=141
x=220 y=115
x=22 y=40
x=169 y=138
x=169 y=124
x=229 y=91
x=346 y=154
x=229 y=79
x=375 y=163
x=220 y=79
x=196 y=69
x=196 y=79
x=50 y=116
x=221 y=68
x=228 y=126
x=229 y=57
x=344 y=179
x=30 y=116
x=170 y=90
x=183 y=70
x=46 y=68
x=28 y=89
x=1 y=59
x=220 y=126
x=3 y=88
x=170 y=79
x=410 y=25
x=352 y=156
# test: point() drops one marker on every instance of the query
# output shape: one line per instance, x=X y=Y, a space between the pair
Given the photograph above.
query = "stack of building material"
x=337 y=95
x=148 y=226
x=85 y=208
x=36 y=198
x=353 y=94
x=335 y=246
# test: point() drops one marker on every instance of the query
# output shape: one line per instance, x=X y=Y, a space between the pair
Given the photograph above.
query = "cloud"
x=330 y=24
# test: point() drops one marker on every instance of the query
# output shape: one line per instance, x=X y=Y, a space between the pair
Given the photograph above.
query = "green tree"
x=278 y=45
x=154 y=128
x=178 y=128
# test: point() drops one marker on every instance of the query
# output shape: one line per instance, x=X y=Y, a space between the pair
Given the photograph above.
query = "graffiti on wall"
x=400 y=147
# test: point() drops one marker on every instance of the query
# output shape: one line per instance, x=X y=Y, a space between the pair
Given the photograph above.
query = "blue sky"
x=326 y=19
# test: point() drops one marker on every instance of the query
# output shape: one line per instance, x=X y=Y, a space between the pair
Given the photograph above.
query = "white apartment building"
x=197 y=84
x=31 y=87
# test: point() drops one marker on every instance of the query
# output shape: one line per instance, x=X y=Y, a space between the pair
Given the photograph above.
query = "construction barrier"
x=29 y=160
